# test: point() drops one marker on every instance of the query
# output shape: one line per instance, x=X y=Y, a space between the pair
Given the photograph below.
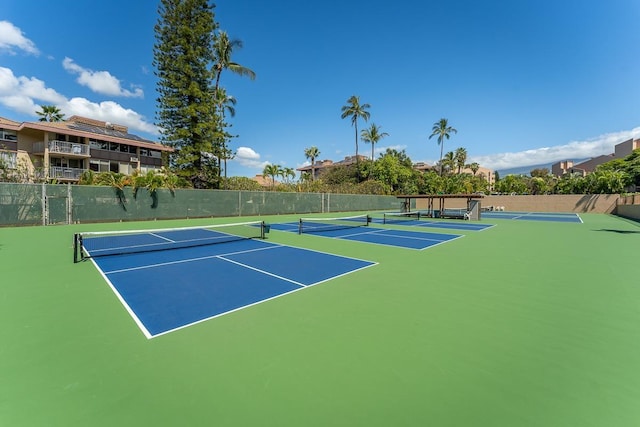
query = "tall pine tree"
x=186 y=113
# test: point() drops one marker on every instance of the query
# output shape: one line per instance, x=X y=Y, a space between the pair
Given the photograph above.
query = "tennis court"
x=416 y=218
x=168 y=279
x=356 y=228
x=534 y=216
x=532 y=323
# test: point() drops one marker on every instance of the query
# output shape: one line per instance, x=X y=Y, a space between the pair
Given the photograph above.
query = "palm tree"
x=474 y=168
x=272 y=171
x=288 y=174
x=226 y=103
x=312 y=154
x=50 y=113
x=355 y=110
x=372 y=136
x=448 y=161
x=223 y=48
x=461 y=158
x=442 y=130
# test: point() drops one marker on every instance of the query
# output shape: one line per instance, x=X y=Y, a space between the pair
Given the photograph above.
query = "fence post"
x=69 y=205
x=44 y=204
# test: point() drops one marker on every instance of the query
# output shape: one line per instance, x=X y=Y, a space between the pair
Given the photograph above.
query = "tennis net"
x=400 y=217
x=105 y=243
x=316 y=225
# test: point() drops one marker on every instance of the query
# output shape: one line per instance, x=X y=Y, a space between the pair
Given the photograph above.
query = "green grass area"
x=523 y=324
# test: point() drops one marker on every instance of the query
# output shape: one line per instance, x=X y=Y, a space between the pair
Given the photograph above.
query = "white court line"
x=142 y=267
x=423 y=238
x=451 y=226
x=151 y=245
x=261 y=271
x=162 y=237
x=439 y=242
x=126 y=306
x=351 y=238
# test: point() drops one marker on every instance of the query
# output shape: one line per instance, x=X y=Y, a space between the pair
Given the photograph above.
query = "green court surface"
x=523 y=324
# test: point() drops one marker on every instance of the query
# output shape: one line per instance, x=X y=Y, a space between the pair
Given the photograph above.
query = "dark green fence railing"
x=44 y=204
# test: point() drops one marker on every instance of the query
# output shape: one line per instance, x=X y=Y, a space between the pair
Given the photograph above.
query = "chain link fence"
x=45 y=204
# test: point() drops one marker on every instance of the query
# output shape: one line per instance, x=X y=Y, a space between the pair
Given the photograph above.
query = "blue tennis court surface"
x=171 y=289
x=534 y=216
x=380 y=236
x=446 y=225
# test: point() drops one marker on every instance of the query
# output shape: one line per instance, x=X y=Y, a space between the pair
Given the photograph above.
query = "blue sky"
x=524 y=82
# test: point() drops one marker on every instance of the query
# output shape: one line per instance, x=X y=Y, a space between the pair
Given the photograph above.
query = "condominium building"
x=322 y=165
x=621 y=151
x=62 y=151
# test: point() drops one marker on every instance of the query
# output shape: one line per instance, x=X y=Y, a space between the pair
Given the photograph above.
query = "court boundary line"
x=124 y=303
x=262 y=271
x=381 y=230
x=506 y=215
x=435 y=223
x=431 y=240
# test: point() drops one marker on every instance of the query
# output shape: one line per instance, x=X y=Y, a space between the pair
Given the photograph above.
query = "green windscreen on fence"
x=41 y=204
x=21 y=204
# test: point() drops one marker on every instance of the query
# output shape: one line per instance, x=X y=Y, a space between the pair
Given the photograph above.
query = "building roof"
x=320 y=164
x=90 y=128
x=264 y=180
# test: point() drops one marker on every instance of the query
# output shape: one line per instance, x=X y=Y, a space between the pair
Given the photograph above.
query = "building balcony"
x=65 y=174
x=62 y=148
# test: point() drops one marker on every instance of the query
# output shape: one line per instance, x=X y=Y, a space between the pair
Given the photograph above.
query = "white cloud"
x=100 y=81
x=249 y=158
x=26 y=94
x=601 y=145
x=11 y=38
x=20 y=93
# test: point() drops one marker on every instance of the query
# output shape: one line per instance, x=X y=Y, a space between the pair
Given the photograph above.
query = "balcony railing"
x=57 y=172
x=63 y=147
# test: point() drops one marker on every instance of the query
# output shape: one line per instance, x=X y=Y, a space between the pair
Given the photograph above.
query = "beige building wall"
x=621 y=151
x=625 y=148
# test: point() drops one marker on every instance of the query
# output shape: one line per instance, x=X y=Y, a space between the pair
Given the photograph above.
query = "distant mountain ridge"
x=526 y=170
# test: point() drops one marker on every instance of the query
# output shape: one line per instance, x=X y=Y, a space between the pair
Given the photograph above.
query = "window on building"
x=8 y=135
x=56 y=162
x=99 y=144
x=99 y=165
x=125 y=168
x=76 y=163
